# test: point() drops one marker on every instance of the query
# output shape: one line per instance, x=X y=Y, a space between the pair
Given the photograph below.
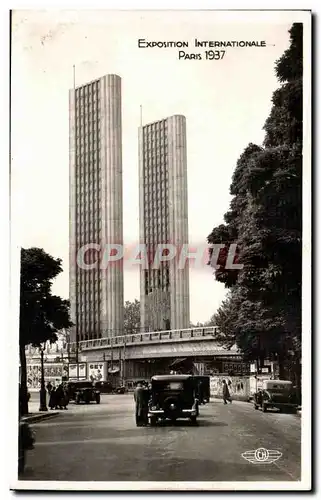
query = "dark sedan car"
x=104 y=387
x=83 y=391
x=276 y=394
x=172 y=397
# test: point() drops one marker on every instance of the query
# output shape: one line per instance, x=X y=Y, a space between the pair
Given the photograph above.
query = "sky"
x=225 y=102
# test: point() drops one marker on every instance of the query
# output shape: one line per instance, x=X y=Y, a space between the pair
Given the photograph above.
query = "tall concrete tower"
x=164 y=219
x=96 y=207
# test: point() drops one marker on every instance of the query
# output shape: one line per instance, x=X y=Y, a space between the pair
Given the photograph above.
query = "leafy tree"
x=263 y=308
x=132 y=317
x=41 y=313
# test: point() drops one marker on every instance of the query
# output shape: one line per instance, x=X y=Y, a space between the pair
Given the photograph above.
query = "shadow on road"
x=188 y=423
x=210 y=423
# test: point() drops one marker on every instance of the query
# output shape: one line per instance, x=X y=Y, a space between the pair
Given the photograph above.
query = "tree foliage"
x=132 y=317
x=42 y=314
x=262 y=312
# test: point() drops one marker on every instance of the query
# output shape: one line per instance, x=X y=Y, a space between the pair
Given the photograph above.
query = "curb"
x=40 y=416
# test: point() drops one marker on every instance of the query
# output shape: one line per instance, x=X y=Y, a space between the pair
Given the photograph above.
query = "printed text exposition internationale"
x=145 y=44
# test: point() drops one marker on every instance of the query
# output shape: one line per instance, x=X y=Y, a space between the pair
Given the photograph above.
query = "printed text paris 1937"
x=218 y=53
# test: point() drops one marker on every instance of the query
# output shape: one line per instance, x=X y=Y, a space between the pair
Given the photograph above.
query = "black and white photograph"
x=160 y=225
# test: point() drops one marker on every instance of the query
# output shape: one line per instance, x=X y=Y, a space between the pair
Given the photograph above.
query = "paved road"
x=101 y=443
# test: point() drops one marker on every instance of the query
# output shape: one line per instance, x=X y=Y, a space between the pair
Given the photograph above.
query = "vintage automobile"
x=277 y=394
x=83 y=391
x=103 y=386
x=120 y=389
x=202 y=385
x=172 y=397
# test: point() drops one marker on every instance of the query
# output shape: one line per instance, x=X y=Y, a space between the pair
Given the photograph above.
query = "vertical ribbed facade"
x=112 y=202
x=72 y=213
x=142 y=232
x=178 y=219
x=96 y=294
x=163 y=219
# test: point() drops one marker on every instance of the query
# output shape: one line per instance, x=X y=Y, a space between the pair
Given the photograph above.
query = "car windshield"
x=169 y=386
x=281 y=390
x=278 y=387
x=83 y=385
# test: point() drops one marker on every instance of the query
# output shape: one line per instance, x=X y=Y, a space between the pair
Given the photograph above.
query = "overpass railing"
x=147 y=337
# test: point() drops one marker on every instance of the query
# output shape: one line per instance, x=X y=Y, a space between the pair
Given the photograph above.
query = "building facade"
x=96 y=207
x=164 y=292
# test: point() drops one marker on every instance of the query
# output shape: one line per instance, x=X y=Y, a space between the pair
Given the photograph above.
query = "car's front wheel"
x=193 y=420
x=153 y=421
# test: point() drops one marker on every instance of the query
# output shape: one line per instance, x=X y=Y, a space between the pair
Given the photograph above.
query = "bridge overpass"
x=191 y=342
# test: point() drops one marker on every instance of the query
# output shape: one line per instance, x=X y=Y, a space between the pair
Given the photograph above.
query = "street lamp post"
x=77 y=354
x=124 y=362
x=43 y=394
x=111 y=352
x=68 y=347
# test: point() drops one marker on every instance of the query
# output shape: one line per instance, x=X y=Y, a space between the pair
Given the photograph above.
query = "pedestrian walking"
x=226 y=393
x=49 y=388
x=53 y=399
x=65 y=398
x=141 y=396
x=60 y=397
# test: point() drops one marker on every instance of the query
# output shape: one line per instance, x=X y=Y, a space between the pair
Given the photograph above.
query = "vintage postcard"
x=160 y=219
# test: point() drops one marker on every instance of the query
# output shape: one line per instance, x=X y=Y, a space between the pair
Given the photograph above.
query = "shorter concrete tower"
x=164 y=219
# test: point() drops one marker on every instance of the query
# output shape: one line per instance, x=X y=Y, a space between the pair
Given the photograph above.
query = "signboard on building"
x=80 y=373
x=53 y=372
x=238 y=386
x=96 y=371
x=235 y=367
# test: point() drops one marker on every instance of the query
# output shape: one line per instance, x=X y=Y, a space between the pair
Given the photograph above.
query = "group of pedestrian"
x=58 y=397
x=142 y=396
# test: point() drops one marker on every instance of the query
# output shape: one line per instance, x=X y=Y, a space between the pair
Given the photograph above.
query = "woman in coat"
x=226 y=393
x=141 y=396
x=53 y=399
